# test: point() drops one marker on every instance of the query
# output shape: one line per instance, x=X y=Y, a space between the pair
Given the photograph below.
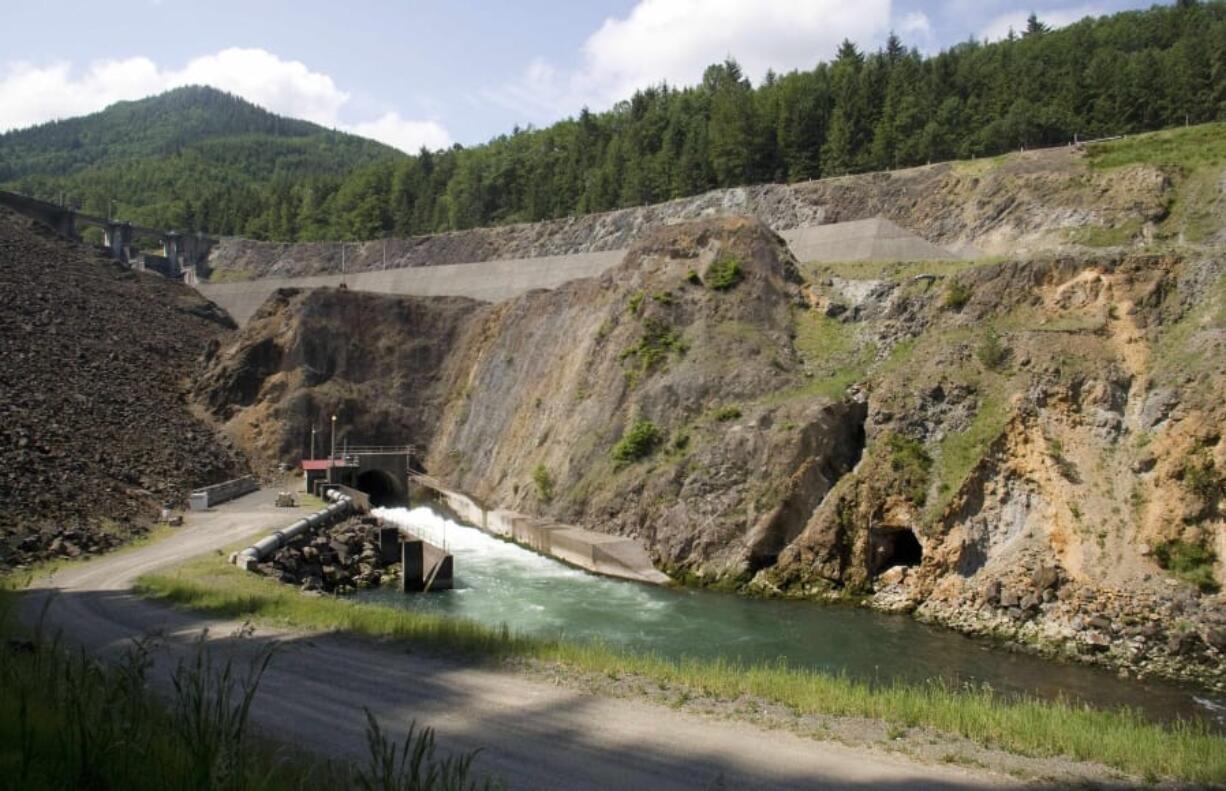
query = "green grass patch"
x=1185 y=149
x=831 y=353
x=1122 y=739
x=1191 y=563
x=1100 y=236
x=727 y=413
x=960 y=451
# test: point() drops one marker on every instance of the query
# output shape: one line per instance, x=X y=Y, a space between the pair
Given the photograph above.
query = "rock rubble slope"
x=95 y=427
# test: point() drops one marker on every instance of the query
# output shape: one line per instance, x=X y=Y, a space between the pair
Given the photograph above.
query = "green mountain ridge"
x=166 y=158
x=200 y=159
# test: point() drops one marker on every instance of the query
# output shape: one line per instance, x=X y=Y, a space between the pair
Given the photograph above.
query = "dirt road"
x=532 y=734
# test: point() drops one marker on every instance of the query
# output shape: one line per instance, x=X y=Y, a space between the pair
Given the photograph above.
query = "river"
x=497 y=582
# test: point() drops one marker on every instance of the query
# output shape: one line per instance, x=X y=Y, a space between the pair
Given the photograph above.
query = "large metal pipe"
x=249 y=557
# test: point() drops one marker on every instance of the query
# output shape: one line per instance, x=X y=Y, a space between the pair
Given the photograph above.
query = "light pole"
x=332 y=456
x=312 y=443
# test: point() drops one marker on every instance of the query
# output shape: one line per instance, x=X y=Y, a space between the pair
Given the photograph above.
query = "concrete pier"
x=613 y=556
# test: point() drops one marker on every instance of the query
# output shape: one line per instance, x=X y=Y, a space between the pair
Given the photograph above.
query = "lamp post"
x=312 y=443
x=332 y=456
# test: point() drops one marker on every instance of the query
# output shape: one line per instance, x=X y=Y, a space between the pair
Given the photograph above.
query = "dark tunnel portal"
x=381 y=488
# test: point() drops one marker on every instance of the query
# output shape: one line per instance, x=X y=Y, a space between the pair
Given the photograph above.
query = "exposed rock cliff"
x=1029 y=448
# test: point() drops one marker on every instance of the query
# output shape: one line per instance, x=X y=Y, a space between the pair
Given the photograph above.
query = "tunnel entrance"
x=381 y=487
x=894 y=547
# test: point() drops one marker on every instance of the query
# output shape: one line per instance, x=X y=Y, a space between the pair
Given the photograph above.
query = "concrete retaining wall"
x=202 y=499
x=492 y=281
x=613 y=556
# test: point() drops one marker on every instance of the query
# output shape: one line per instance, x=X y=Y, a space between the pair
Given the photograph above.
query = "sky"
x=432 y=74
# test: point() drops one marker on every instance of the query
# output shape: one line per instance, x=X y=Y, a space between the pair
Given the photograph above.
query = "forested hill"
x=1129 y=72
x=163 y=158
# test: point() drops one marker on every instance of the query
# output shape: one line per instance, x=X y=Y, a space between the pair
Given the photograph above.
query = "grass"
x=960 y=451
x=1191 y=563
x=831 y=353
x=1186 y=149
x=1121 y=739
x=1193 y=156
x=727 y=413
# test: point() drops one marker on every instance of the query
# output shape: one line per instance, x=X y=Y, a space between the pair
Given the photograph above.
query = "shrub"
x=992 y=352
x=657 y=340
x=636 y=299
x=911 y=461
x=544 y=483
x=1189 y=562
x=726 y=413
x=692 y=278
x=663 y=297
x=1201 y=478
x=724 y=273
x=956 y=295
x=638 y=443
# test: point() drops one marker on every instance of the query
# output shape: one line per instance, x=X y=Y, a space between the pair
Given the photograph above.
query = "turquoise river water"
x=498 y=583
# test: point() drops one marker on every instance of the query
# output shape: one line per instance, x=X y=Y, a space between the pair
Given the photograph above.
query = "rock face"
x=1027 y=201
x=95 y=429
x=1031 y=448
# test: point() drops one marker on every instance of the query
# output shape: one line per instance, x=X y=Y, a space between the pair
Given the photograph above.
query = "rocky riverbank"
x=1175 y=635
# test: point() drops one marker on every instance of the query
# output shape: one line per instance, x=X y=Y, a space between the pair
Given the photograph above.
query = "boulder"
x=1046 y=578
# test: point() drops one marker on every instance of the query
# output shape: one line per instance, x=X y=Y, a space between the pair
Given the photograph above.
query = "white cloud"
x=404 y=134
x=30 y=94
x=1000 y=26
x=915 y=23
x=675 y=40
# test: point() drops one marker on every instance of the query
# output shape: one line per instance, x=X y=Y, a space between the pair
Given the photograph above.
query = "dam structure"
x=873 y=239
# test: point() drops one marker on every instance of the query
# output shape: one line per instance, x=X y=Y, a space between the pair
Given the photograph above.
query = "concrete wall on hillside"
x=492 y=281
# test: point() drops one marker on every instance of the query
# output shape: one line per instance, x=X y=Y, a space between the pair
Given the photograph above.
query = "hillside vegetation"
x=191 y=158
x=253 y=174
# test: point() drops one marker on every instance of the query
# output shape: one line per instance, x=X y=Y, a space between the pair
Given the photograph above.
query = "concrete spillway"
x=493 y=281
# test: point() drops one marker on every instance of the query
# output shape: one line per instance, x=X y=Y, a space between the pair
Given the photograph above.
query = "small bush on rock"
x=1189 y=562
x=956 y=295
x=992 y=352
x=726 y=413
x=638 y=443
x=544 y=483
x=724 y=273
